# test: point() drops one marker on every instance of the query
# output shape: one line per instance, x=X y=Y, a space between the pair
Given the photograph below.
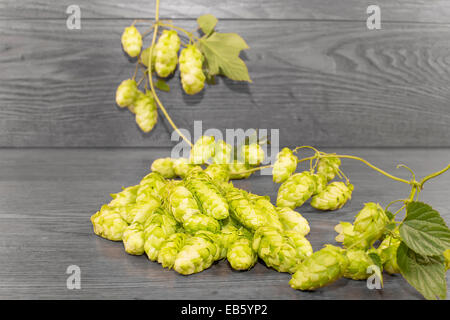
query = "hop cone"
x=264 y=206
x=277 y=250
x=222 y=153
x=237 y=170
x=166 y=48
x=218 y=172
x=185 y=209
x=145 y=57
x=143 y=210
x=333 y=197
x=131 y=41
x=320 y=182
x=240 y=254
x=293 y=221
x=156 y=230
x=192 y=77
x=164 y=166
x=126 y=197
x=388 y=253
x=447 y=258
x=198 y=253
x=152 y=185
x=285 y=165
x=321 y=268
x=133 y=239
x=329 y=167
x=358 y=262
x=242 y=209
x=297 y=189
x=301 y=244
x=181 y=167
x=202 y=150
x=210 y=197
x=126 y=93
x=170 y=249
x=108 y=223
x=252 y=154
x=145 y=109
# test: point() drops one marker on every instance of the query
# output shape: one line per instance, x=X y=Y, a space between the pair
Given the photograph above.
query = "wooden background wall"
x=318 y=74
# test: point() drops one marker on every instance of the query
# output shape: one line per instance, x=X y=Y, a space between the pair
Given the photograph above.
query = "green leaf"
x=424 y=231
x=221 y=51
x=377 y=261
x=162 y=85
x=389 y=215
x=426 y=274
x=207 y=22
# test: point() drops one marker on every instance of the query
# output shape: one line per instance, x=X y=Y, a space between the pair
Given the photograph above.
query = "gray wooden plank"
x=436 y=11
x=327 y=84
x=48 y=196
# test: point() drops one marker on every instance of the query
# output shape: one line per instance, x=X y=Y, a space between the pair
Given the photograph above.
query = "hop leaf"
x=221 y=51
x=207 y=22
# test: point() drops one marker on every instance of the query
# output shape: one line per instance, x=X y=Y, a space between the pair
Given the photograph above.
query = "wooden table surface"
x=48 y=195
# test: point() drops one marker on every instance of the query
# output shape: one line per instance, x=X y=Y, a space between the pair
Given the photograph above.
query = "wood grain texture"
x=436 y=11
x=48 y=196
x=321 y=83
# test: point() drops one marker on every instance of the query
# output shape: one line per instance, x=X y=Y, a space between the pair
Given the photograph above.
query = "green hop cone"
x=277 y=250
x=166 y=48
x=329 y=167
x=133 y=239
x=264 y=206
x=108 y=223
x=388 y=253
x=156 y=230
x=124 y=198
x=244 y=211
x=297 y=189
x=151 y=186
x=164 y=166
x=126 y=93
x=239 y=170
x=320 y=182
x=192 y=77
x=293 y=221
x=333 y=197
x=145 y=109
x=368 y=227
x=198 y=253
x=358 y=262
x=202 y=150
x=185 y=209
x=321 y=268
x=170 y=249
x=143 y=210
x=222 y=153
x=211 y=200
x=131 y=41
x=181 y=167
x=218 y=172
x=284 y=166
x=301 y=244
x=240 y=254
x=252 y=154
x=145 y=57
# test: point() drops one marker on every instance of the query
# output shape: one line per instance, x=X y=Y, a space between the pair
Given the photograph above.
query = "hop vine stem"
x=152 y=87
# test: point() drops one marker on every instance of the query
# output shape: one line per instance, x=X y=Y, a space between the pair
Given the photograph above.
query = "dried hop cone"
x=333 y=197
x=167 y=47
x=285 y=165
x=133 y=239
x=145 y=109
x=321 y=268
x=131 y=41
x=192 y=77
x=329 y=167
x=108 y=223
x=126 y=93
